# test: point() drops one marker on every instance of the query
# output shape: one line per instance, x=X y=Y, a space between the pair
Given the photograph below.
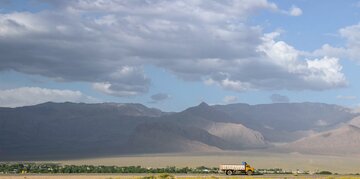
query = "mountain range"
x=67 y=130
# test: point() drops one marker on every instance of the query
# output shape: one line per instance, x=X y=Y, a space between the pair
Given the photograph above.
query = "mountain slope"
x=69 y=128
x=169 y=137
x=355 y=121
x=237 y=134
x=195 y=124
x=285 y=122
x=343 y=140
x=219 y=124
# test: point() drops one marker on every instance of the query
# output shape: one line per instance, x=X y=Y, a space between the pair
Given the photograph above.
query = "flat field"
x=291 y=161
x=258 y=159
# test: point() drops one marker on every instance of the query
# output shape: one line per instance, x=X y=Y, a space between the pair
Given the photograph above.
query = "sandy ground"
x=290 y=161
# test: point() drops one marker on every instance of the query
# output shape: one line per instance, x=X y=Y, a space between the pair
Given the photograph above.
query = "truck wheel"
x=249 y=173
x=229 y=172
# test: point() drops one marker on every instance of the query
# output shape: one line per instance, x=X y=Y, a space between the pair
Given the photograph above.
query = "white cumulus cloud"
x=317 y=74
x=25 y=96
x=326 y=71
x=230 y=99
x=295 y=11
x=351 y=50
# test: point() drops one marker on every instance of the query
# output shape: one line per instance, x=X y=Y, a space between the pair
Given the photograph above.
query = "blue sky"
x=175 y=54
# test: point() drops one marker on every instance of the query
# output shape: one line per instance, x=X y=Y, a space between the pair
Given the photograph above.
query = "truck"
x=230 y=169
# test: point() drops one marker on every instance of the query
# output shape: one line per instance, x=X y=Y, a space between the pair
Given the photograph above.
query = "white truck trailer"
x=230 y=169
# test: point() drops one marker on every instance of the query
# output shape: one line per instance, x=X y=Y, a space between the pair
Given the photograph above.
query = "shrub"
x=324 y=173
x=166 y=176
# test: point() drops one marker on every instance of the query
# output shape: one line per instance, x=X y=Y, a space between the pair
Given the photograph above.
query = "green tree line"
x=57 y=168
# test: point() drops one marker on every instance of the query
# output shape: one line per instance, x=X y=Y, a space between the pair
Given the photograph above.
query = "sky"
x=173 y=54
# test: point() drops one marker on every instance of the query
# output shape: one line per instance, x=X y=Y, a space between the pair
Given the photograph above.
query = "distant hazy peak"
x=203 y=104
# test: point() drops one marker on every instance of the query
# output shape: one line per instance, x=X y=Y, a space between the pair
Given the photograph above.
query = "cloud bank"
x=108 y=43
x=346 y=97
x=26 y=96
x=351 y=50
